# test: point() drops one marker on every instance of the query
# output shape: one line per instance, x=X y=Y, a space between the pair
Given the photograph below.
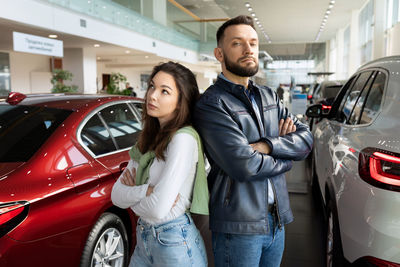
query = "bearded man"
x=251 y=140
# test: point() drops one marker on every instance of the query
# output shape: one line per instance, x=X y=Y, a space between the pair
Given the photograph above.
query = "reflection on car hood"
x=8 y=167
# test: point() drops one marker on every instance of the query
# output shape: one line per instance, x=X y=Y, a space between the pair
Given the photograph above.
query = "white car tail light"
x=380 y=168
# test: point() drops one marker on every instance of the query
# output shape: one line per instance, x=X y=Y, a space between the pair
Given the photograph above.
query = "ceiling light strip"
x=255 y=18
x=325 y=19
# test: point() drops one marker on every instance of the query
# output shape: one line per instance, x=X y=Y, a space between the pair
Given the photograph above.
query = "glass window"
x=366 y=19
x=123 y=125
x=374 y=99
x=393 y=12
x=96 y=137
x=5 y=81
x=355 y=115
x=24 y=129
x=351 y=97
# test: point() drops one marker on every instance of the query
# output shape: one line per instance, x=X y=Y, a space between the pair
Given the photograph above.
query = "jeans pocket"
x=171 y=237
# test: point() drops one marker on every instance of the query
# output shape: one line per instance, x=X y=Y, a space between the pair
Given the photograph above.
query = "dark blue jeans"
x=231 y=250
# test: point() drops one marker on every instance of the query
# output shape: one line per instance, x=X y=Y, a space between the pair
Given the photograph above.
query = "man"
x=130 y=88
x=250 y=140
x=280 y=91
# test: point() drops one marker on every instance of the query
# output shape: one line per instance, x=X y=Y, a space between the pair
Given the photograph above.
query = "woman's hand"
x=129 y=178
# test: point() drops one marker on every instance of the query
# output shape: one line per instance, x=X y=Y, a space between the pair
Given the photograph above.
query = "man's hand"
x=129 y=178
x=286 y=126
x=261 y=147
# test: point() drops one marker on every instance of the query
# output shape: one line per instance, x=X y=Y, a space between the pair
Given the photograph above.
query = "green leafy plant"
x=113 y=86
x=59 y=76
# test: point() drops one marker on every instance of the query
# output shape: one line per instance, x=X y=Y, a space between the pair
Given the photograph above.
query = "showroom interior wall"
x=44 y=15
x=30 y=73
x=378 y=29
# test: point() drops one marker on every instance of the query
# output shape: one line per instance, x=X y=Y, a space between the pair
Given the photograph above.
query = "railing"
x=184 y=34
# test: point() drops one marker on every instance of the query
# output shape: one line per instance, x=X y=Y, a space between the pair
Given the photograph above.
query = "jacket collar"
x=236 y=89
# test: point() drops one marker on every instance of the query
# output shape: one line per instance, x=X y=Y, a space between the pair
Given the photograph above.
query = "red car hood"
x=8 y=167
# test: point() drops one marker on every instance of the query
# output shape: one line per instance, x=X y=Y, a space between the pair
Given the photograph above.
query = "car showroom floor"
x=304 y=244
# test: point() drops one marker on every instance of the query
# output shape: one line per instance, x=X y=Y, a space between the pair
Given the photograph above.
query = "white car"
x=356 y=167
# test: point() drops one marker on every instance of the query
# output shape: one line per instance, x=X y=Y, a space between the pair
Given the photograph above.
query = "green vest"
x=200 y=190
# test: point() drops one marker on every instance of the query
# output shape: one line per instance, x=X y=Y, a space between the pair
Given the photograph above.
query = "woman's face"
x=162 y=97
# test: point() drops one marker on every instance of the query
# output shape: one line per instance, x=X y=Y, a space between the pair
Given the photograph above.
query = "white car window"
x=374 y=100
x=351 y=97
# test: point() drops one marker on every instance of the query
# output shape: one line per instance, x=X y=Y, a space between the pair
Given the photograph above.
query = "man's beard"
x=238 y=70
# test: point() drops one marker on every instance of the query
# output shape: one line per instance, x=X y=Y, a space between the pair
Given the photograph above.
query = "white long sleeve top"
x=170 y=178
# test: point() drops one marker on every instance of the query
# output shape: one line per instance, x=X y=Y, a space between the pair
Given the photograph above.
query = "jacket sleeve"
x=229 y=148
x=293 y=146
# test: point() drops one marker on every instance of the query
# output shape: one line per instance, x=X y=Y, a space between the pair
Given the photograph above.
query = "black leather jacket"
x=226 y=121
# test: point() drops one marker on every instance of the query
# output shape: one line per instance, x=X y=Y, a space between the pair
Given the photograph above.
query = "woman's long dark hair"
x=155 y=138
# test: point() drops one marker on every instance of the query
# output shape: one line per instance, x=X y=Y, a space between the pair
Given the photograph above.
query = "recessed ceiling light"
x=96 y=45
x=53 y=36
x=98 y=58
x=332 y=2
x=330 y=6
x=146 y=56
x=256 y=19
x=247 y=4
x=250 y=9
x=127 y=51
x=253 y=14
x=269 y=41
x=328 y=12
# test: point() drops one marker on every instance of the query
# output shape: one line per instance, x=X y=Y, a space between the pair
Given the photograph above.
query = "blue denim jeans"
x=174 y=243
x=231 y=250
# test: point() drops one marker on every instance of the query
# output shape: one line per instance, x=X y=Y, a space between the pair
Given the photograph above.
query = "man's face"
x=239 y=50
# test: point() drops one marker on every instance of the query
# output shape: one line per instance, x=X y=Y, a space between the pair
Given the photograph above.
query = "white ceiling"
x=291 y=24
x=285 y=21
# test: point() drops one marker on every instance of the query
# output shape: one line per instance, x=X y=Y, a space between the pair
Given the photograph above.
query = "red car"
x=59 y=158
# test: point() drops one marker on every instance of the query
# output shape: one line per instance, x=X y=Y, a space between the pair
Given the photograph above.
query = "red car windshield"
x=24 y=129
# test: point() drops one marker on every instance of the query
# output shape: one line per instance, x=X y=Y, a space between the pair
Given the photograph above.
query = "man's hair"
x=246 y=20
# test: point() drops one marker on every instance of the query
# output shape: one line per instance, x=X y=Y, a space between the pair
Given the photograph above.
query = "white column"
x=339 y=55
x=89 y=71
x=354 y=53
x=378 y=40
x=73 y=62
x=82 y=64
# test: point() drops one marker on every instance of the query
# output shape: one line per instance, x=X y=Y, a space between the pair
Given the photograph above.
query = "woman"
x=166 y=175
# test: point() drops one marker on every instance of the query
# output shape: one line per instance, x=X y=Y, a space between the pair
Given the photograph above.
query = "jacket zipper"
x=276 y=206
